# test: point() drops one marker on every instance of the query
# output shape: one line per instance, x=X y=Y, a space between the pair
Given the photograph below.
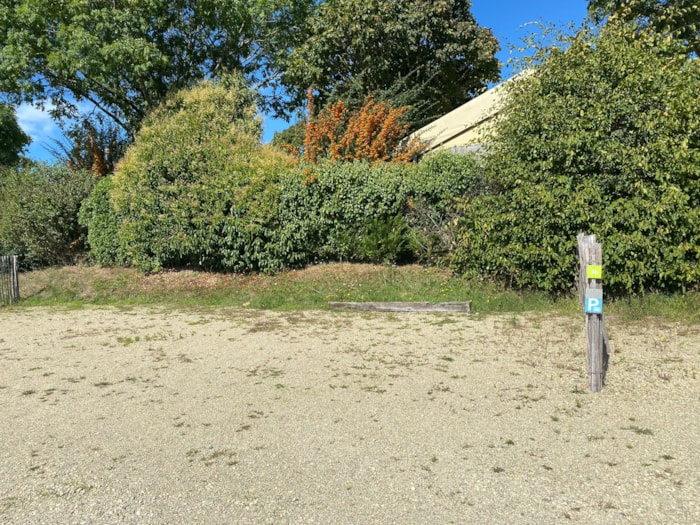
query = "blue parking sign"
x=594 y=305
x=594 y=301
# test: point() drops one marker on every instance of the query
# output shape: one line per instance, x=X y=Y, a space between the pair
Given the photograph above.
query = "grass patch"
x=314 y=287
x=672 y=308
x=311 y=288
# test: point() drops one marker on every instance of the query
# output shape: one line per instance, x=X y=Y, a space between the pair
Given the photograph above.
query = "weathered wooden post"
x=591 y=300
x=15 y=277
x=9 y=281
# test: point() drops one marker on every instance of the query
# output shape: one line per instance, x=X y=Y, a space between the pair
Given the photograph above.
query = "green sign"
x=594 y=272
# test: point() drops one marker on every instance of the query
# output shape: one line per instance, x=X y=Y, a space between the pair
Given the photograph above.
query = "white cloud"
x=43 y=130
x=36 y=122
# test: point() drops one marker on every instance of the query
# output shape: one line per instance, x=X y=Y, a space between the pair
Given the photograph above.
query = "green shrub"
x=98 y=216
x=373 y=212
x=439 y=182
x=602 y=138
x=335 y=211
x=39 y=214
x=196 y=188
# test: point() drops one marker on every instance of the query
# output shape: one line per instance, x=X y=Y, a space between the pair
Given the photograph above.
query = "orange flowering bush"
x=375 y=133
x=93 y=146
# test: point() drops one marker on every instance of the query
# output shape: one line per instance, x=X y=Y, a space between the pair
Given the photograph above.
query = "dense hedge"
x=39 y=214
x=362 y=212
x=602 y=138
x=197 y=191
x=98 y=216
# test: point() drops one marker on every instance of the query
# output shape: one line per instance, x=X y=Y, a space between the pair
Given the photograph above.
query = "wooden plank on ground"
x=463 y=307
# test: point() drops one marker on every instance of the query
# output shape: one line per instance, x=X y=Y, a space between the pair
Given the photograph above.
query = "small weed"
x=510 y=442
x=126 y=341
x=667 y=457
x=28 y=392
x=640 y=431
x=7 y=503
x=498 y=470
x=444 y=321
x=375 y=389
x=547 y=467
x=554 y=418
x=209 y=459
x=103 y=384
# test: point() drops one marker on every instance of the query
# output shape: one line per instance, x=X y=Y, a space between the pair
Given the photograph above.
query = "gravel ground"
x=159 y=416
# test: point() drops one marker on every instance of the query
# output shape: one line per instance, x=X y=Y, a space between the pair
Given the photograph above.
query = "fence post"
x=591 y=300
x=9 y=280
x=14 y=272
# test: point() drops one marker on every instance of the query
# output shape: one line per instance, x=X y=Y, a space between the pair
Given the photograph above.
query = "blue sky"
x=510 y=20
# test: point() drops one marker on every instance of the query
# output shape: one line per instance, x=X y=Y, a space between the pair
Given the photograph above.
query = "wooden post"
x=591 y=300
x=9 y=281
x=14 y=271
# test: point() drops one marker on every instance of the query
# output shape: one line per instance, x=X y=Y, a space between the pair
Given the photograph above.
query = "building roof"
x=462 y=127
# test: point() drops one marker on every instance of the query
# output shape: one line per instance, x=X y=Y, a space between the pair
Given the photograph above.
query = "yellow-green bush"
x=196 y=189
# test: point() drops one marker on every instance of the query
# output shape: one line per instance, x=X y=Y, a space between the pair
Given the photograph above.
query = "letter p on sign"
x=594 y=305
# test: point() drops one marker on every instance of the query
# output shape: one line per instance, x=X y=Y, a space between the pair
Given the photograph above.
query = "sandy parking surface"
x=235 y=416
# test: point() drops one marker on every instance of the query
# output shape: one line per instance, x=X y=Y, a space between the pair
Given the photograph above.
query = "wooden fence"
x=9 y=281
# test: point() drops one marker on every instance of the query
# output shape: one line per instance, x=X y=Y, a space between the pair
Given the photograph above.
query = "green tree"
x=125 y=56
x=603 y=137
x=429 y=54
x=292 y=138
x=679 y=17
x=12 y=138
